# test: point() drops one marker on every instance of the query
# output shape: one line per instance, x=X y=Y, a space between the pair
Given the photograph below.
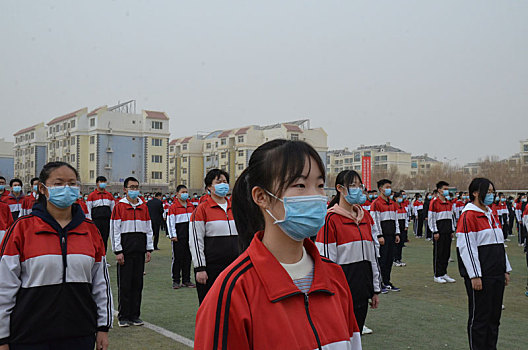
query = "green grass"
x=424 y=315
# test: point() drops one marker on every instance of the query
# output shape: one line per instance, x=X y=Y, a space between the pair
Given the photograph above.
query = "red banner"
x=365 y=172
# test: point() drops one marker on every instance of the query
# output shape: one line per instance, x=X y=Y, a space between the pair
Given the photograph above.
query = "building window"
x=133 y=155
x=92 y=122
x=295 y=137
x=208 y=145
x=184 y=170
x=184 y=147
x=72 y=142
x=157 y=159
x=184 y=182
x=171 y=148
x=157 y=142
x=92 y=174
x=357 y=157
x=72 y=124
x=73 y=157
x=383 y=158
x=240 y=153
x=92 y=140
x=184 y=159
x=208 y=158
x=223 y=155
x=240 y=166
x=414 y=165
x=366 y=153
x=157 y=125
x=157 y=175
x=223 y=142
x=525 y=147
x=92 y=157
x=241 y=138
x=428 y=166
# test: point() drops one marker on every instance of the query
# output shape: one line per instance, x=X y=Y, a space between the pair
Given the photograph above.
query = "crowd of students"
x=274 y=262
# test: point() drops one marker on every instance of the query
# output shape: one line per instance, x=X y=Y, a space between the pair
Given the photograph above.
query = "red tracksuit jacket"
x=254 y=304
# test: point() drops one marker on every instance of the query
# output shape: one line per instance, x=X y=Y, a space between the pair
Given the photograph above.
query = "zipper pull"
x=306 y=299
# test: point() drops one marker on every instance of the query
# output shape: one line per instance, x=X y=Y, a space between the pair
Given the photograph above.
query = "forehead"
x=62 y=173
x=132 y=183
x=310 y=169
x=220 y=178
x=2 y=181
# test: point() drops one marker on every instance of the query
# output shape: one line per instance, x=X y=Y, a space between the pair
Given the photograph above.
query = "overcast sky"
x=449 y=78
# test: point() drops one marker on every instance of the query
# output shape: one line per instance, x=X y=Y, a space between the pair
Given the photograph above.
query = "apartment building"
x=30 y=153
x=6 y=159
x=422 y=164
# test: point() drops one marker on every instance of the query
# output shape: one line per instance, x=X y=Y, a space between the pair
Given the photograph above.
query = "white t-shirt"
x=223 y=206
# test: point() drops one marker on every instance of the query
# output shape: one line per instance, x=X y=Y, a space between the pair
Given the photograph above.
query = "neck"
x=384 y=197
x=344 y=204
x=283 y=248
x=479 y=204
x=218 y=199
x=133 y=201
x=182 y=202
x=442 y=198
x=60 y=215
x=100 y=189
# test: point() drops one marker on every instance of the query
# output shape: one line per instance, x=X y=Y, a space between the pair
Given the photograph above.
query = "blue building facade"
x=7 y=167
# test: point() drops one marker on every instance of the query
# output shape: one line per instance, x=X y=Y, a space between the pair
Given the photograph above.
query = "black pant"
x=441 y=254
x=130 y=286
x=386 y=258
x=155 y=230
x=78 y=343
x=360 y=311
x=103 y=225
x=505 y=226
x=485 y=308
x=398 y=247
x=428 y=232
x=181 y=261
x=212 y=273
x=418 y=225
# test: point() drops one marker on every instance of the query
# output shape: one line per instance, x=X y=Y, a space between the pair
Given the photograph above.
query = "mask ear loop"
x=269 y=212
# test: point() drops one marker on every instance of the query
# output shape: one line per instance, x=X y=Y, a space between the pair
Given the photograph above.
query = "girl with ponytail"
x=280 y=293
x=347 y=239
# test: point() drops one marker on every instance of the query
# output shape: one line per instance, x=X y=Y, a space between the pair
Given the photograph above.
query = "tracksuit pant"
x=181 y=261
x=77 y=343
x=130 y=286
x=360 y=312
x=155 y=231
x=441 y=254
x=103 y=225
x=505 y=226
x=398 y=247
x=485 y=308
x=386 y=258
x=213 y=271
x=418 y=224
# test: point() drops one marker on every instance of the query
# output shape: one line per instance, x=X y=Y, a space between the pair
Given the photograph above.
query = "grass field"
x=424 y=315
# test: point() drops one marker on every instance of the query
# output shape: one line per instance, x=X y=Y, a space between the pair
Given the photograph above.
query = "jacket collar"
x=179 y=205
x=125 y=200
x=77 y=217
x=276 y=281
x=212 y=203
x=473 y=207
x=21 y=196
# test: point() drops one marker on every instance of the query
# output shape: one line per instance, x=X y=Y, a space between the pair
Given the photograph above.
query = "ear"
x=260 y=197
x=43 y=190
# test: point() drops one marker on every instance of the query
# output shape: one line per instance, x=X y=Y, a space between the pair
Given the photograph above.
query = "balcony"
x=108 y=167
x=109 y=150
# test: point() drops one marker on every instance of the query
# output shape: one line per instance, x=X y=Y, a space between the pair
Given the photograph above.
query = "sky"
x=448 y=78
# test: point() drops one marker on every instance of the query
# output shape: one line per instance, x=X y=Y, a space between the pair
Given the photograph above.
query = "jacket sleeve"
x=171 y=224
x=10 y=282
x=115 y=231
x=149 y=233
x=196 y=241
x=431 y=219
x=397 y=224
x=467 y=245
x=376 y=228
x=101 y=292
x=9 y=217
x=525 y=219
x=89 y=204
x=326 y=241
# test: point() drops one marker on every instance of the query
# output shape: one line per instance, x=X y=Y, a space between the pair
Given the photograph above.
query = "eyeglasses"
x=133 y=188
x=354 y=187
x=70 y=184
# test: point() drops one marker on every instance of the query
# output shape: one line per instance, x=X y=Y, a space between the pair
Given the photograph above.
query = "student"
x=100 y=205
x=53 y=276
x=418 y=214
x=131 y=238
x=442 y=226
x=386 y=228
x=368 y=202
x=427 y=204
x=346 y=238
x=178 y=228
x=82 y=202
x=15 y=198
x=403 y=223
x=27 y=204
x=280 y=293
x=195 y=199
x=155 y=208
x=3 y=192
x=6 y=219
x=214 y=241
x=484 y=265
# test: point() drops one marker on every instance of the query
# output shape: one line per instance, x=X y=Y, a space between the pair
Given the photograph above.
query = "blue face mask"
x=387 y=192
x=503 y=199
x=399 y=200
x=488 y=199
x=133 y=194
x=102 y=185
x=2 y=187
x=355 y=196
x=221 y=190
x=404 y=196
x=371 y=196
x=448 y=198
x=304 y=216
x=164 y=198
x=35 y=188
x=63 y=196
x=184 y=196
x=523 y=200
x=429 y=197
x=445 y=193
x=17 y=189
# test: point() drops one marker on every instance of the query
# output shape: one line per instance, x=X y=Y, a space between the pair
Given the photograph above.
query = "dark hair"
x=273 y=166
x=214 y=174
x=383 y=182
x=2 y=178
x=344 y=178
x=441 y=184
x=157 y=194
x=100 y=179
x=180 y=187
x=435 y=192
x=480 y=185
x=13 y=181
x=128 y=179
x=46 y=172
x=33 y=180
x=396 y=194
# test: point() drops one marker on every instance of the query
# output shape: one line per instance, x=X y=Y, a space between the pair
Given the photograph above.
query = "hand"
x=436 y=236
x=397 y=239
x=381 y=240
x=476 y=283
x=102 y=341
x=375 y=302
x=174 y=239
x=452 y=236
x=201 y=277
x=120 y=259
x=148 y=255
x=507 y=278
x=4 y=347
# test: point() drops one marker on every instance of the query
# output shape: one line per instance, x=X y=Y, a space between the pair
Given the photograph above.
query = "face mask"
x=303 y=216
x=63 y=196
x=85 y=198
x=195 y=196
x=17 y=189
x=523 y=200
x=404 y=196
x=445 y=193
x=355 y=196
x=429 y=197
x=116 y=197
x=133 y=194
x=388 y=192
x=35 y=188
x=164 y=198
x=184 y=196
x=419 y=199
x=399 y=200
x=503 y=199
x=488 y=199
x=448 y=198
x=102 y=185
x=391 y=197
x=2 y=187
x=221 y=190
x=371 y=196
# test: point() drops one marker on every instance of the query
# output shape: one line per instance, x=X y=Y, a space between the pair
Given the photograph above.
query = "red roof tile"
x=173 y=142
x=95 y=111
x=64 y=117
x=225 y=133
x=187 y=139
x=23 y=131
x=156 y=115
x=294 y=128
x=242 y=131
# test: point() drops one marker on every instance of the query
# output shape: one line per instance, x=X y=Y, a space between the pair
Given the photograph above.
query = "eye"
x=299 y=186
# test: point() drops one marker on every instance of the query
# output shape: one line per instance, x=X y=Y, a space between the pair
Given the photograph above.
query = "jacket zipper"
x=64 y=251
x=361 y=236
x=135 y=228
x=307 y=308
